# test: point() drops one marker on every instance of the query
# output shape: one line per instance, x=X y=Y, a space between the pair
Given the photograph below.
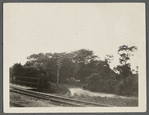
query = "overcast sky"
x=57 y=27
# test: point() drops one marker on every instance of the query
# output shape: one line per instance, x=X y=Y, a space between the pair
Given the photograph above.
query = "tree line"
x=94 y=74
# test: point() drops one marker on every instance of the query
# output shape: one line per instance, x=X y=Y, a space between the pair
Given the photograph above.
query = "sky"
x=31 y=28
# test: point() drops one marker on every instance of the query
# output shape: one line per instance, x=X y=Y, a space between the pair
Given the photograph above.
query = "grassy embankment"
x=115 y=101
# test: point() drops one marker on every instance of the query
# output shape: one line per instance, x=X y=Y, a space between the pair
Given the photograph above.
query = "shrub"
x=30 y=71
x=17 y=69
x=43 y=82
x=127 y=87
x=84 y=73
x=97 y=83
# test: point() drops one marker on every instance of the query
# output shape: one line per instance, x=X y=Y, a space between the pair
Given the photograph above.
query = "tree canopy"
x=85 y=66
x=125 y=52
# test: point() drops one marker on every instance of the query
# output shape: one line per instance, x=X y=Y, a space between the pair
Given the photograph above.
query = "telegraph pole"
x=57 y=76
x=59 y=64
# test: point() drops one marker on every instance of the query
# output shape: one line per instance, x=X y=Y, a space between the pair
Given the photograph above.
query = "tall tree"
x=109 y=58
x=125 y=52
x=84 y=56
x=17 y=69
x=85 y=60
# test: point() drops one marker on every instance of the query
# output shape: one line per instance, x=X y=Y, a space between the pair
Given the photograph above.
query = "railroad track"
x=57 y=99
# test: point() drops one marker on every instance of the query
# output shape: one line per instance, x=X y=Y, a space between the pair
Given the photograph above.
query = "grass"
x=84 y=95
x=14 y=98
x=122 y=102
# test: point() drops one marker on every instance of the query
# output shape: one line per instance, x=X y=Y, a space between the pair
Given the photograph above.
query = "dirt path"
x=80 y=91
x=102 y=98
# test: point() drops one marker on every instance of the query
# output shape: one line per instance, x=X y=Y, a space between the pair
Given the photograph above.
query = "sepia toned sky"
x=64 y=27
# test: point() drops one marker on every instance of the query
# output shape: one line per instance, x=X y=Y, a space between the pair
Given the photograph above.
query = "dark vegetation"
x=94 y=74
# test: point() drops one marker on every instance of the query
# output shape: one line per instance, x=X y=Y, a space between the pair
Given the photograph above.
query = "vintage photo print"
x=74 y=57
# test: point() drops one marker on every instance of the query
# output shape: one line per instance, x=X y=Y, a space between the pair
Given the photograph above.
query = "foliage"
x=97 y=83
x=17 y=69
x=86 y=63
x=125 y=52
x=124 y=70
x=30 y=71
x=83 y=65
x=128 y=86
x=126 y=83
x=103 y=80
x=84 y=73
x=72 y=64
x=83 y=56
x=109 y=58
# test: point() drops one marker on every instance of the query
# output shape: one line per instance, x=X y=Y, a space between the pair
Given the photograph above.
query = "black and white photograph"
x=74 y=57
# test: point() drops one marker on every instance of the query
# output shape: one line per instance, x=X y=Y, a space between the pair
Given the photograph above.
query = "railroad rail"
x=57 y=99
